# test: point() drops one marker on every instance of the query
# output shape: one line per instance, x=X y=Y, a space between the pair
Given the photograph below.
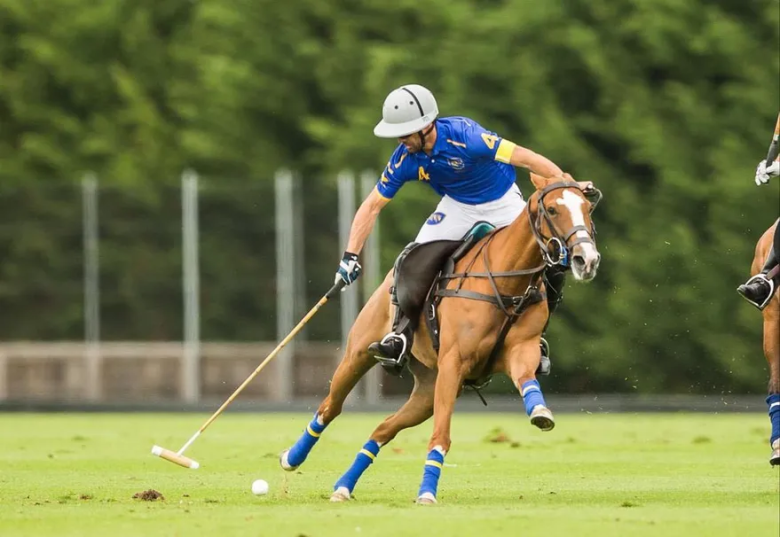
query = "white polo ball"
x=260 y=487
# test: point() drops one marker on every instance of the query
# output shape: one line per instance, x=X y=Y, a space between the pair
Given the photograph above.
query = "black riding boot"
x=554 y=279
x=393 y=351
x=759 y=289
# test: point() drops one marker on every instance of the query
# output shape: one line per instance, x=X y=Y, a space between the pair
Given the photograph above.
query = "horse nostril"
x=578 y=260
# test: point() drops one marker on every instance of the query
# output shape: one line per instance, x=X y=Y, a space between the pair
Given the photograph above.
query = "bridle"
x=555 y=249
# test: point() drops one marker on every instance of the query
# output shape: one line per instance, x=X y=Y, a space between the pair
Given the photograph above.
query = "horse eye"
x=552 y=210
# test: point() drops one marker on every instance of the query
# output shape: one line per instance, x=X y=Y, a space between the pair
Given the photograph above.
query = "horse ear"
x=538 y=181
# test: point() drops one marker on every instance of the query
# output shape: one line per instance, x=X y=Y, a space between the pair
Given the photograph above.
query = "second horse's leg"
x=416 y=410
x=772 y=353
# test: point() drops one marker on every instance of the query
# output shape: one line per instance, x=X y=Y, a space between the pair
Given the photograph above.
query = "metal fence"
x=186 y=262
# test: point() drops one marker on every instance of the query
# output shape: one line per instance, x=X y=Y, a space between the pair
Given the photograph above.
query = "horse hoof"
x=542 y=418
x=426 y=498
x=286 y=466
x=774 y=460
x=341 y=494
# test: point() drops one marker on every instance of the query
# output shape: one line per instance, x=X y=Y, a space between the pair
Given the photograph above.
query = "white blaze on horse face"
x=587 y=250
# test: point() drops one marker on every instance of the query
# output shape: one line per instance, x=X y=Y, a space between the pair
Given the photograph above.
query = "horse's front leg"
x=772 y=353
x=448 y=384
x=523 y=359
x=522 y=355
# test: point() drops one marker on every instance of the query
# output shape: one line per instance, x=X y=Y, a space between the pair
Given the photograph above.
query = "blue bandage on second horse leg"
x=532 y=395
x=433 y=465
x=302 y=447
x=363 y=460
x=773 y=401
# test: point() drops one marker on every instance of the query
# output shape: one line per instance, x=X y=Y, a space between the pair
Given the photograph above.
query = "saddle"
x=419 y=269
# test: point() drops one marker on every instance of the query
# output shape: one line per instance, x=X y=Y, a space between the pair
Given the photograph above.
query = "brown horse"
x=771 y=314
x=507 y=263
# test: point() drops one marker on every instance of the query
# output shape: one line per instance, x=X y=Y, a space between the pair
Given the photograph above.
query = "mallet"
x=178 y=457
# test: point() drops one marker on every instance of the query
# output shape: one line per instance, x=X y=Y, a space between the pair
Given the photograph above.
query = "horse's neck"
x=514 y=249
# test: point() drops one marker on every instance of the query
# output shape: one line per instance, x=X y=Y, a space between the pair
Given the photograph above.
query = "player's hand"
x=349 y=269
x=591 y=193
x=764 y=172
x=586 y=186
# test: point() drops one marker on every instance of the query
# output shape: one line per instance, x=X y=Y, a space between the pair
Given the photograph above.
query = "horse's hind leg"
x=417 y=409
x=772 y=352
x=356 y=363
x=370 y=325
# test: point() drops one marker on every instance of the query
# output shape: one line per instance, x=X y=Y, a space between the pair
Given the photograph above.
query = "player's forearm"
x=364 y=222
x=535 y=162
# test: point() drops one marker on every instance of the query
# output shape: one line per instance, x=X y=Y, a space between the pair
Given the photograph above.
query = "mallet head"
x=174 y=457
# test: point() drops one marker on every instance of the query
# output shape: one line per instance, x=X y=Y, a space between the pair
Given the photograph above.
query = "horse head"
x=559 y=212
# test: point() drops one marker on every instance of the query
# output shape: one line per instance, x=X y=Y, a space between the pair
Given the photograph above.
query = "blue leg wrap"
x=363 y=460
x=773 y=401
x=302 y=447
x=433 y=465
x=532 y=395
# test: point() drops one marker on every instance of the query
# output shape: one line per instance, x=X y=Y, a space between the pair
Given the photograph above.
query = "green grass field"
x=594 y=475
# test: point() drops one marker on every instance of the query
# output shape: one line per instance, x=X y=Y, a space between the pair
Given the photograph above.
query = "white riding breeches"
x=453 y=219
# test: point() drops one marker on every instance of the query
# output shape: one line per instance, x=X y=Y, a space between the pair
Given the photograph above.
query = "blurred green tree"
x=666 y=104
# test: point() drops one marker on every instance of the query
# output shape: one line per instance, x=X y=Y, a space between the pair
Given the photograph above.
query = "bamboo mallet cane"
x=178 y=457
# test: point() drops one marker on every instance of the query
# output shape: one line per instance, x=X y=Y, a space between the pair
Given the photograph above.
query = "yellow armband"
x=504 y=152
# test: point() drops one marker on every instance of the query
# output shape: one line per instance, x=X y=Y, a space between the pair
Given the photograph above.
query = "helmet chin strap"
x=422 y=136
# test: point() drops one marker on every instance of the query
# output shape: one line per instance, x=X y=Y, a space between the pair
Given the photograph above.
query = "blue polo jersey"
x=468 y=163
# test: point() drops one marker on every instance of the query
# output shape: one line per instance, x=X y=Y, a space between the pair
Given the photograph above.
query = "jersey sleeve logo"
x=490 y=140
x=400 y=160
x=421 y=175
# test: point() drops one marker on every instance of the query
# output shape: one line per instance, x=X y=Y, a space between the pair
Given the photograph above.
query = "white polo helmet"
x=407 y=110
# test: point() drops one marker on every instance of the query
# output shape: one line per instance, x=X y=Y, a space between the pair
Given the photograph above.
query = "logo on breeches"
x=435 y=218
